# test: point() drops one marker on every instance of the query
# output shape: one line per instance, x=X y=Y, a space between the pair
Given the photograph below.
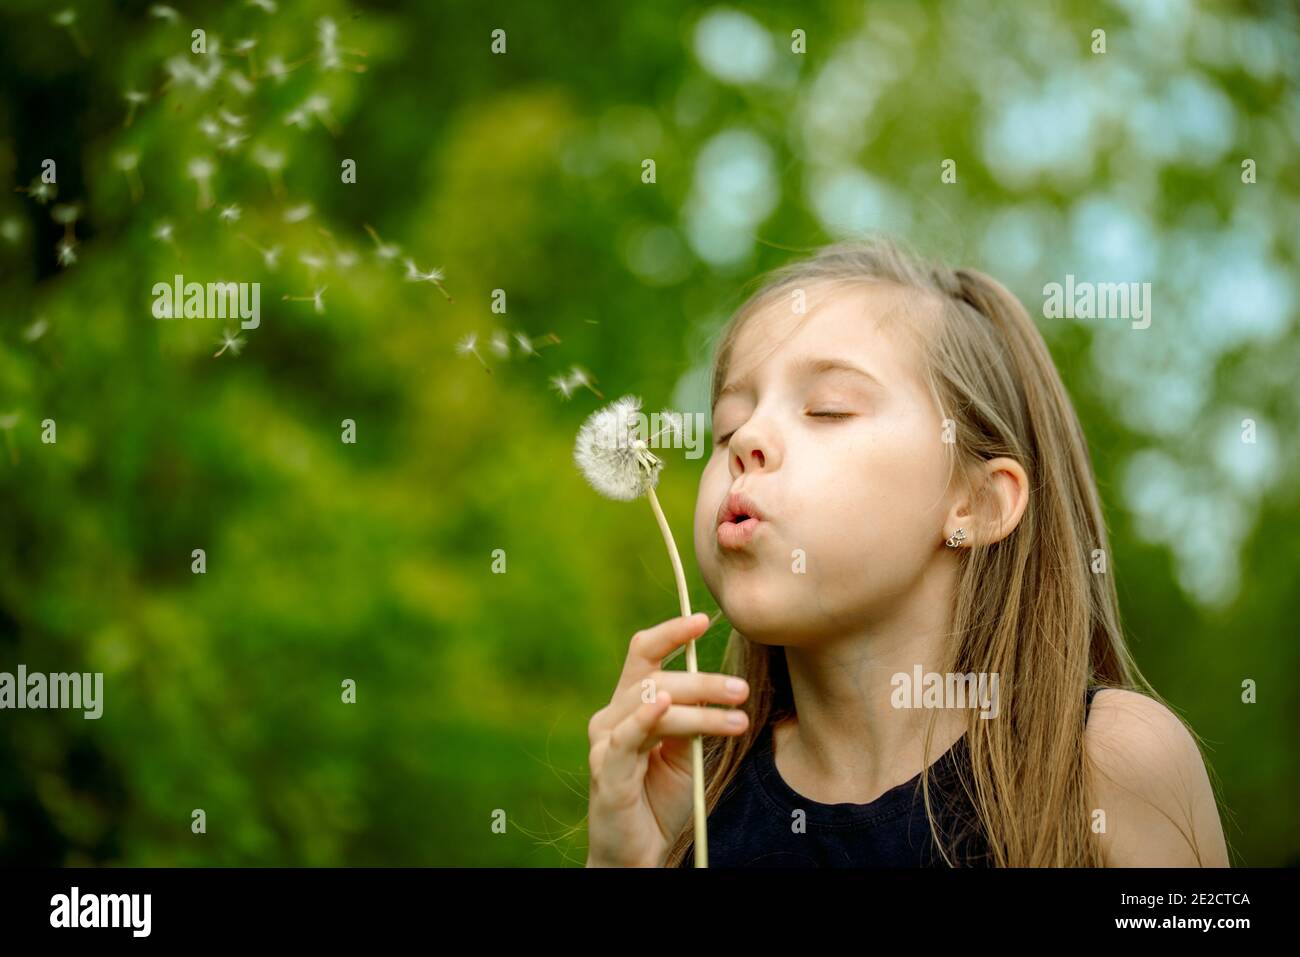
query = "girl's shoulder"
x=1149 y=781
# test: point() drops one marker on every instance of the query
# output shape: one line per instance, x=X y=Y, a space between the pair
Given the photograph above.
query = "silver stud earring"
x=957 y=538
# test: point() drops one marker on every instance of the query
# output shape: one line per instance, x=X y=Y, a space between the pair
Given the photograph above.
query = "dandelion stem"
x=697 y=743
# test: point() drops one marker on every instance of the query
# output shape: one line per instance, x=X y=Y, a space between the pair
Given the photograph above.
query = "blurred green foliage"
x=522 y=171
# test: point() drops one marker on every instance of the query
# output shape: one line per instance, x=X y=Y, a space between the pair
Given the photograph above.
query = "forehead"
x=877 y=325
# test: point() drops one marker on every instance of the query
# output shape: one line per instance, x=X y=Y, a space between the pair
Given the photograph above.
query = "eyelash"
x=723 y=440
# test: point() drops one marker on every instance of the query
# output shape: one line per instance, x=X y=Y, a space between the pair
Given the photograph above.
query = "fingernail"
x=735 y=685
x=736 y=719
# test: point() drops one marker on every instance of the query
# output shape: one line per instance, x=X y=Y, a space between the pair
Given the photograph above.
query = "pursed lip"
x=737 y=504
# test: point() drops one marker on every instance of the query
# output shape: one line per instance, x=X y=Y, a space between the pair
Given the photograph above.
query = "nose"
x=750 y=449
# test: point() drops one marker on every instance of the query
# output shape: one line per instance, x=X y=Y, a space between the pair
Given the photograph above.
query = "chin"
x=755 y=608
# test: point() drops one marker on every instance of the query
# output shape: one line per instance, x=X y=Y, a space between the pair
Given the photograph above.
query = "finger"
x=631 y=738
x=650 y=646
x=686 y=687
x=684 y=720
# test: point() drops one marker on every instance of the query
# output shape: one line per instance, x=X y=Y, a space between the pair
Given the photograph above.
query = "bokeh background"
x=522 y=171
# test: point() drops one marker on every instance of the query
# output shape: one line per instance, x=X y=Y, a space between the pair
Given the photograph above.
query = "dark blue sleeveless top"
x=752 y=824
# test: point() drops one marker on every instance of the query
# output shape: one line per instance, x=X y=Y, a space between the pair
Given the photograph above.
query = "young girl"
x=899 y=498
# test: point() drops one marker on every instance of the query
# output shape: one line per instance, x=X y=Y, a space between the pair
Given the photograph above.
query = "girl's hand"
x=641 y=790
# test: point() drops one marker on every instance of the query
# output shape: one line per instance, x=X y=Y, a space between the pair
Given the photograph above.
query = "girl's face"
x=826 y=427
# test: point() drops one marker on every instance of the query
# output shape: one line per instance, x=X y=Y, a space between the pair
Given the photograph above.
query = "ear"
x=1003 y=491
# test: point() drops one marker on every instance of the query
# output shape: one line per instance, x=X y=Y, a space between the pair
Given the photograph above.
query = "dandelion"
x=316 y=299
x=434 y=276
x=229 y=214
x=384 y=251
x=616 y=460
x=468 y=346
x=229 y=341
x=529 y=346
x=164 y=13
x=200 y=170
x=68 y=20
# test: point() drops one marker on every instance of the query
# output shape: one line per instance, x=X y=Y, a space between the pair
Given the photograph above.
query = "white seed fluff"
x=612 y=452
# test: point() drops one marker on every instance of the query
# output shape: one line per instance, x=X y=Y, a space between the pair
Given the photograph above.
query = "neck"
x=848 y=742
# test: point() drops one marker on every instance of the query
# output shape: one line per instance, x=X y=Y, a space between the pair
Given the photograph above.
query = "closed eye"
x=830 y=415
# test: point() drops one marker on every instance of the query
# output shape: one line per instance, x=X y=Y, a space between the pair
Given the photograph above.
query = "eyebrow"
x=806 y=366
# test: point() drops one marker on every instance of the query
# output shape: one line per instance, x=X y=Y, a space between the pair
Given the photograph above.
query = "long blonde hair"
x=1031 y=608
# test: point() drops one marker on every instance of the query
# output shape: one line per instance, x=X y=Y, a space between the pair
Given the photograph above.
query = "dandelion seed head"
x=613 y=456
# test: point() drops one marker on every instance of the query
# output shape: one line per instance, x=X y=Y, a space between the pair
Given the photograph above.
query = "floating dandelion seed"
x=616 y=460
x=39 y=190
x=272 y=161
x=468 y=346
x=200 y=170
x=529 y=346
x=68 y=20
x=346 y=259
x=7 y=423
x=164 y=232
x=229 y=214
x=266 y=5
x=164 y=13
x=580 y=378
x=230 y=119
x=230 y=142
x=500 y=344
x=561 y=384
x=296 y=214
x=327 y=32
x=66 y=251
x=229 y=341
x=276 y=69
x=313 y=262
x=36 y=329
x=11 y=230
x=241 y=83
x=270 y=257
x=318 y=106
x=209 y=127
x=385 y=251
x=316 y=299
x=65 y=214
x=128 y=163
x=134 y=100
x=434 y=276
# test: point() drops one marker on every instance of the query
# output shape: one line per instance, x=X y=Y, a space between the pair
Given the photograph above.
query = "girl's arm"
x=1149 y=779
